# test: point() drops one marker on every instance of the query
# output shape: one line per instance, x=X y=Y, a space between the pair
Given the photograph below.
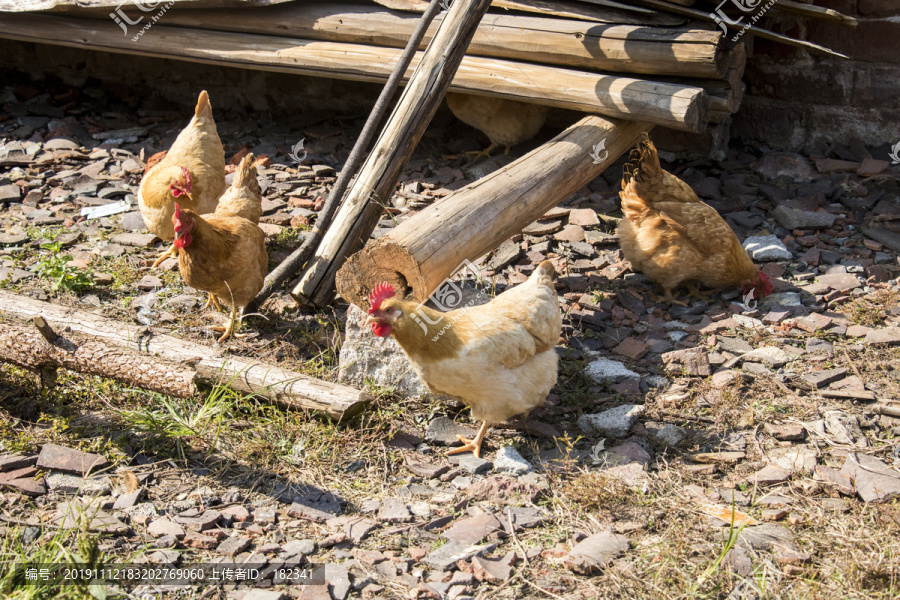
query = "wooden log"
x=675 y=106
x=378 y=176
x=211 y=366
x=612 y=48
x=424 y=250
x=570 y=9
x=29 y=348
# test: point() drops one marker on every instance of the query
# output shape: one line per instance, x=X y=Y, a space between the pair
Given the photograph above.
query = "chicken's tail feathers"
x=246 y=172
x=545 y=274
x=203 y=107
x=643 y=162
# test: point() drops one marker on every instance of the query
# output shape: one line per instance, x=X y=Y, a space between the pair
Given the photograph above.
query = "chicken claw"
x=212 y=300
x=486 y=153
x=695 y=291
x=234 y=322
x=172 y=251
x=668 y=297
x=473 y=446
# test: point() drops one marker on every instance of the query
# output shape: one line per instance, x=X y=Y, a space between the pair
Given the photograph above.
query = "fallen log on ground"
x=112 y=342
x=424 y=250
x=616 y=48
x=677 y=106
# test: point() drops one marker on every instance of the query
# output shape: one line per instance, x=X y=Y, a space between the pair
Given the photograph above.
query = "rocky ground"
x=718 y=450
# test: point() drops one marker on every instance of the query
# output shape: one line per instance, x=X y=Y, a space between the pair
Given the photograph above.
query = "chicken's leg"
x=210 y=300
x=476 y=154
x=473 y=446
x=695 y=291
x=668 y=297
x=172 y=251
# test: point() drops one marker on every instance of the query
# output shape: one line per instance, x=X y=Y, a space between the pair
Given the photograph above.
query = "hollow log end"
x=383 y=261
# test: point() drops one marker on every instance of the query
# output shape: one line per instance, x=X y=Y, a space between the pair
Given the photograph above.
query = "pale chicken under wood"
x=505 y=122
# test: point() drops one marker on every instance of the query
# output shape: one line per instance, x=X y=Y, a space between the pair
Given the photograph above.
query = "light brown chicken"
x=243 y=198
x=497 y=357
x=196 y=160
x=505 y=122
x=672 y=237
x=224 y=256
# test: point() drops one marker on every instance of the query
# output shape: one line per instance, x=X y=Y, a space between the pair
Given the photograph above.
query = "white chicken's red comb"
x=382 y=292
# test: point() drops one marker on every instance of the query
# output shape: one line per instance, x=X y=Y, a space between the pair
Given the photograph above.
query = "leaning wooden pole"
x=417 y=255
x=375 y=182
x=97 y=345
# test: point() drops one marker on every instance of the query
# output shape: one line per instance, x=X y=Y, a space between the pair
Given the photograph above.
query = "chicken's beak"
x=370 y=319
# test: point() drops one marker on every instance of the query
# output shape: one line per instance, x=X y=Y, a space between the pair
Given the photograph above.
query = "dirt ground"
x=746 y=454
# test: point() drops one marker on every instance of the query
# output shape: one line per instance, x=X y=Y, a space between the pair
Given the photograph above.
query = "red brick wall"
x=796 y=98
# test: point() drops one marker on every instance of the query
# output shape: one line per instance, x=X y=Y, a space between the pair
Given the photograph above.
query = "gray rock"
x=60 y=458
x=791 y=218
x=139 y=240
x=338 y=579
x=615 y=422
x=885 y=335
x=452 y=552
x=394 y=510
x=164 y=526
x=668 y=434
x=13 y=238
x=766 y=248
x=604 y=370
x=508 y=460
x=133 y=221
x=233 y=546
x=149 y=282
x=771 y=356
x=75 y=485
x=295 y=547
x=596 y=552
x=796 y=458
x=474 y=465
x=263 y=595
x=443 y=432
x=366 y=356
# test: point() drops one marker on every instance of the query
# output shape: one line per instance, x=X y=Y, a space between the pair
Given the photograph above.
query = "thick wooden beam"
x=210 y=365
x=615 y=48
x=671 y=105
x=422 y=251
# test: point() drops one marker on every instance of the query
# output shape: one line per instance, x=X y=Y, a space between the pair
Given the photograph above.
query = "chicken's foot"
x=212 y=300
x=234 y=322
x=172 y=251
x=473 y=446
x=695 y=291
x=668 y=297
x=486 y=153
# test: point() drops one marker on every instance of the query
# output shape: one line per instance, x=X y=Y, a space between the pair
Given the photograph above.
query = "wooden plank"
x=417 y=255
x=213 y=365
x=676 y=106
x=376 y=180
x=134 y=10
x=616 y=48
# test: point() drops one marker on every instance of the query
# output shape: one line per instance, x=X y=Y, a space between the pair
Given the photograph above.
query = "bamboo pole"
x=210 y=366
x=676 y=106
x=424 y=250
x=613 y=48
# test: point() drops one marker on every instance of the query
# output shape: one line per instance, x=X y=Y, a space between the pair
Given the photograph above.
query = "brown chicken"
x=505 y=122
x=672 y=237
x=243 y=199
x=497 y=357
x=224 y=256
x=196 y=161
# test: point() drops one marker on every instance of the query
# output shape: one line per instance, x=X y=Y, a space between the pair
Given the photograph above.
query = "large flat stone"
x=61 y=458
x=595 y=552
x=874 y=480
